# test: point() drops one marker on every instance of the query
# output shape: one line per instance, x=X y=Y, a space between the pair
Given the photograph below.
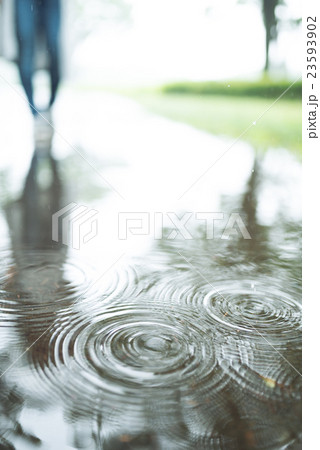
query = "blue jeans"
x=36 y=18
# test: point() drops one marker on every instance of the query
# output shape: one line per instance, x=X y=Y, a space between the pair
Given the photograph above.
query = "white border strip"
x=311 y=239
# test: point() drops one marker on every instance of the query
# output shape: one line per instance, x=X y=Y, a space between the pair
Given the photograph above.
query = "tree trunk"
x=268 y=38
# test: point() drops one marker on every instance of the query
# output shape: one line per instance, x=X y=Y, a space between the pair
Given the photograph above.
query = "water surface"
x=145 y=343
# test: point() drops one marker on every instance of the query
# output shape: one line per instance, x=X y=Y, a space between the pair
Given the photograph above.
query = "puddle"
x=148 y=342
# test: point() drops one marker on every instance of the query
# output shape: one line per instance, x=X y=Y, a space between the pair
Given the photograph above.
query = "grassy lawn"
x=264 y=87
x=279 y=126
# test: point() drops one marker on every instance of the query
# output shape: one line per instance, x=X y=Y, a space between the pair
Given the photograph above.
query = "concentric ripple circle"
x=43 y=277
x=129 y=350
x=255 y=326
x=246 y=307
x=254 y=308
x=36 y=285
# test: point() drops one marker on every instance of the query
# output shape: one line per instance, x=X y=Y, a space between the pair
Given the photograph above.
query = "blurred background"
x=214 y=65
x=143 y=41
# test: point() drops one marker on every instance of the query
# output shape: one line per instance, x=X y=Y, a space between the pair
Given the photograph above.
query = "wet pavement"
x=139 y=334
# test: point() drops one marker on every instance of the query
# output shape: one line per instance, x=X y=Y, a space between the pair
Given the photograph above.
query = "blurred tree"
x=270 y=23
x=271 y=17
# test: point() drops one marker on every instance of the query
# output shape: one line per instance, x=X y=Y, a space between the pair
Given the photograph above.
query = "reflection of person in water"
x=34 y=276
x=38 y=20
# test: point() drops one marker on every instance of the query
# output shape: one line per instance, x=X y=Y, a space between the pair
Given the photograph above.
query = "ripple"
x=43 y=277
x=120 y=283
x=238 y=419
x=36 y=285
x=247 y=307
x=158 y=348
x=128 y=351
x=254 y=307
x=255 y=326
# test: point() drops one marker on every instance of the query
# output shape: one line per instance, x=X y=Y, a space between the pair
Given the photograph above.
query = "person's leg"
x=25 y=29
x=52 y=15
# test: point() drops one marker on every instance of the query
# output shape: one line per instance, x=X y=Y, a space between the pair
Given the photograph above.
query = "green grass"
x=276 y=126
x=262 y=88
